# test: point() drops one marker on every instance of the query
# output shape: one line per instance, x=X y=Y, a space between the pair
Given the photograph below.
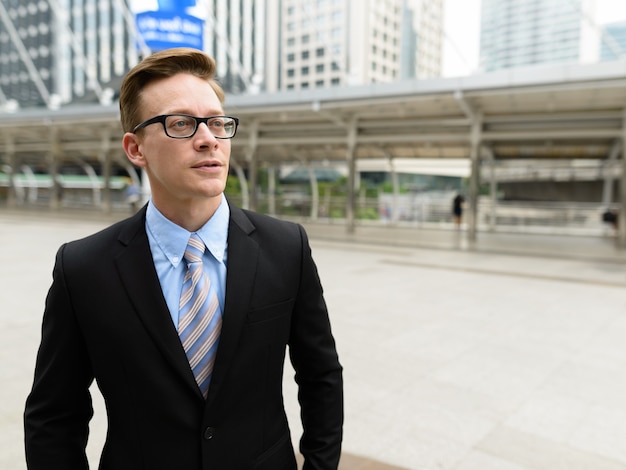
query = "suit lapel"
x=241 y=270
x=136 y=268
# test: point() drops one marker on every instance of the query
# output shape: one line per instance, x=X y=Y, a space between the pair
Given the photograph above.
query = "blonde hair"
x=162 y=64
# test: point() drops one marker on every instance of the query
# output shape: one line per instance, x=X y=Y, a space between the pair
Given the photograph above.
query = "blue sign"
x=164 y=29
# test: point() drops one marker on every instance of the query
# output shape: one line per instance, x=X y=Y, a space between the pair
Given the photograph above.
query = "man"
x=457 y=210
x=120 y=299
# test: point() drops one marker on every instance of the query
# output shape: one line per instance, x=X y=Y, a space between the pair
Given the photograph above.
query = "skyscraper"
x=57 y=51
x=613 y=45
x=235 y=35
x=517 y=33
x=427 y=25
x=320 y=43
x=26 y=73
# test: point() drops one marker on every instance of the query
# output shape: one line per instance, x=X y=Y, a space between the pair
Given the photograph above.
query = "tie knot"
x=195 y=249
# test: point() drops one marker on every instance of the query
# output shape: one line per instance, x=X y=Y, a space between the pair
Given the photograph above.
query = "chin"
x=214 y=190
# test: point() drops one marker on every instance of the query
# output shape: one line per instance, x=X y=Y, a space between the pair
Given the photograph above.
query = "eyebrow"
x=212 y=112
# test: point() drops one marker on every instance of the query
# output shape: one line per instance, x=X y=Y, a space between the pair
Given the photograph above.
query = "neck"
x=190 y=216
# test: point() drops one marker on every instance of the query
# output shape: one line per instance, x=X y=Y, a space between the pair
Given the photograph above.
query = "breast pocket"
x=269 y=313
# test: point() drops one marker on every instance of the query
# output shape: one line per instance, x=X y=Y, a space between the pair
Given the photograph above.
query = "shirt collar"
x=172 y=239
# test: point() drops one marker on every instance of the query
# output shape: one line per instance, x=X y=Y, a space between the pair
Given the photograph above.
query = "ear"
x=132 y=148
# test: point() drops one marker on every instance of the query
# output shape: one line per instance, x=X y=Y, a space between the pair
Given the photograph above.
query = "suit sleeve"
x=59 y=406
x=318 y=371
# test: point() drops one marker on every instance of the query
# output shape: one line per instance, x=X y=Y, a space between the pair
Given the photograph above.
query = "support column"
x=351 y=160
x=607 y=189
x=474 y=175
x=11 y=169
x=493 y=188
x=271 y=190
x=105 y=160
x=252 y=164
x=395 y=188
x=53 y=170
x=476 y=119
x=621 y=228
x=245 y=192
x=96 y=192
x=315 y=193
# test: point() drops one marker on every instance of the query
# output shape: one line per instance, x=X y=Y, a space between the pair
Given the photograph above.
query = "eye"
x=180 y=122
x=216 y=123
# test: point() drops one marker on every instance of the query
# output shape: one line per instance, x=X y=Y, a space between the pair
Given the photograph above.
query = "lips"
x=208 y=164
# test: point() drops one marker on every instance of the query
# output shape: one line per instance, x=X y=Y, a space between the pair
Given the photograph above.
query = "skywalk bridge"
x=538 y=114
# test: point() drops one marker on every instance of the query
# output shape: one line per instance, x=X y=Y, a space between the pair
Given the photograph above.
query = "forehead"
x=180 y=93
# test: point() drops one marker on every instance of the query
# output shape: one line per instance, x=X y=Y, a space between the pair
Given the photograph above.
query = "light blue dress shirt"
x=168 y=242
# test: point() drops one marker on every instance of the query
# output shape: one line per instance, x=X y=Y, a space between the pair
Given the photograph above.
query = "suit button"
x=208 y=433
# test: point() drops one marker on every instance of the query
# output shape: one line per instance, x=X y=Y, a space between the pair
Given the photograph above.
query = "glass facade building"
x=60 y=51
x=613 y=45
x=26 y=52
x=323 y=43
x=516 y=33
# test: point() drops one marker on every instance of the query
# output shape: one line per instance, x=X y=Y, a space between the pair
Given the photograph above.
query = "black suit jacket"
x=106 y=318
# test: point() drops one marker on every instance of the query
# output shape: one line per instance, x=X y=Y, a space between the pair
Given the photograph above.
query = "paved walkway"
x=505 y=355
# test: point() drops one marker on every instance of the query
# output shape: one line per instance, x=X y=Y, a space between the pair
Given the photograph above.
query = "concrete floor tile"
x=535 y=453
x=602 y=431
x=477 y=460
x=588 y=383
x=551 y=416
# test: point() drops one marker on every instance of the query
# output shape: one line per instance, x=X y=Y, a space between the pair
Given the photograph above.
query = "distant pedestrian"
x=457 y=210
x=610 y=217
x=133 y=196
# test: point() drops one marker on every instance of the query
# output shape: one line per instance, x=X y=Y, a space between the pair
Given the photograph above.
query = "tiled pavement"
x=504 y=355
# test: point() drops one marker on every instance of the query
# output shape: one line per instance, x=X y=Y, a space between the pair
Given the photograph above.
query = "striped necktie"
x=199 y=316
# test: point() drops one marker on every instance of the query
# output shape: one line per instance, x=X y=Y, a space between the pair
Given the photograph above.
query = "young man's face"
x=181 y=171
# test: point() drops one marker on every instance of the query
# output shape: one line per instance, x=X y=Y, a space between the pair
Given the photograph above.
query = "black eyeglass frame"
x=199 y=120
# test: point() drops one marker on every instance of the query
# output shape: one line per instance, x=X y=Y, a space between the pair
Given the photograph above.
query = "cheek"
x=158 y=155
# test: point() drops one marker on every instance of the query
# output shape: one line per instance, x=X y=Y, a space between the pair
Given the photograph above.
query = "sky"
x=462 y=30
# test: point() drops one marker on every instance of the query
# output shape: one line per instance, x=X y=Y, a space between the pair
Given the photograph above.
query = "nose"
x=203 y=137
x=203 y=133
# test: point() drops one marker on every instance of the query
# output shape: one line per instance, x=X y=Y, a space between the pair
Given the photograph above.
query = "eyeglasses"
x=183 y=126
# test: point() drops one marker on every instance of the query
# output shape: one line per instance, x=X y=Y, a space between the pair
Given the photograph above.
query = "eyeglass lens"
x=185 y=126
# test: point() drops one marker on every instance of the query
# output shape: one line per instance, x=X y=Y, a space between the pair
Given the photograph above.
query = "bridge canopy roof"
x=567 y=111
